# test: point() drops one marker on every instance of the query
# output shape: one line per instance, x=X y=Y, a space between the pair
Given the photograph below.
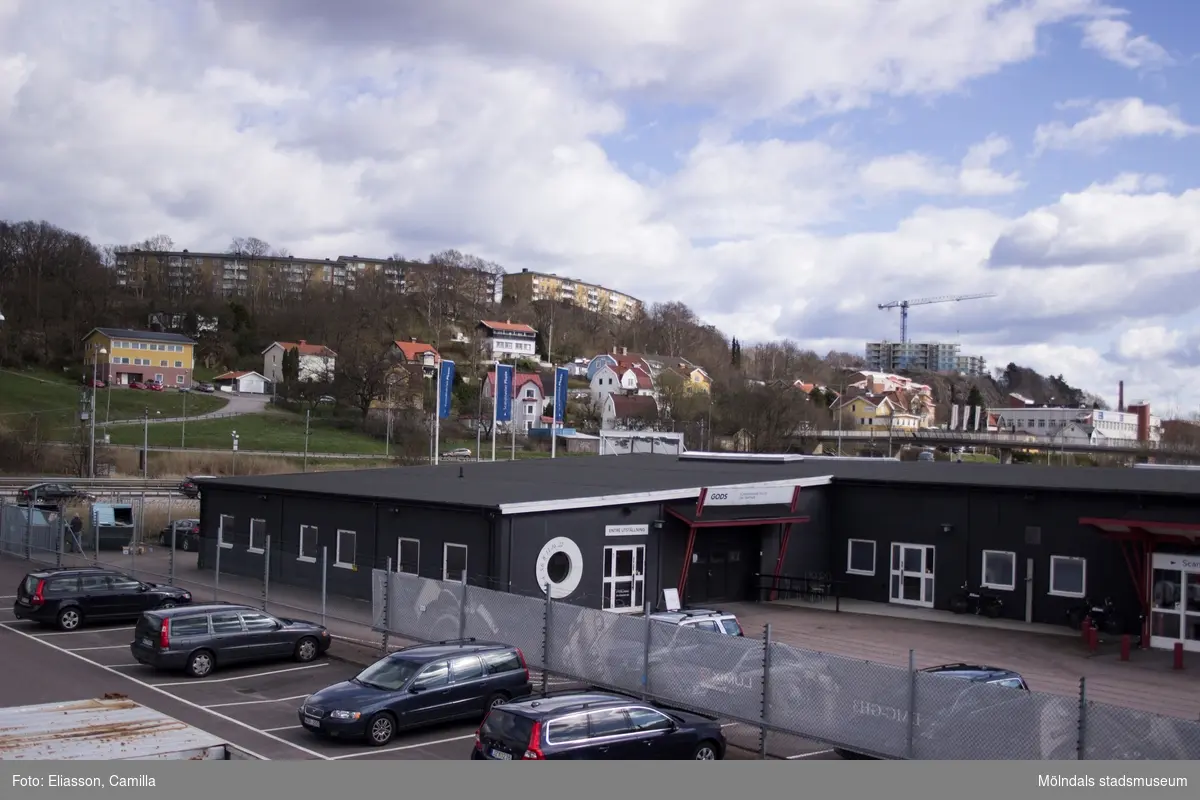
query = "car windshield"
x=390 y=673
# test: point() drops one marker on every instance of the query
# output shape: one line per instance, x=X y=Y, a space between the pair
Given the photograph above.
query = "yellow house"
x=122 y=357
x=879 y=413
x=698 y=380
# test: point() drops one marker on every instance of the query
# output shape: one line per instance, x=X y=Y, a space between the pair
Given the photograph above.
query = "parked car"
x=155 y=386
x=186 y=534
x=702 y=619
x=925 y=455
x=206 y=388
x=94 y=384
x=190 y=487
x=595 y=727
x=136 y=385
x=201 y=638
x=421 y=685
x=67 y=598
x=458 y=452
x=49 y=493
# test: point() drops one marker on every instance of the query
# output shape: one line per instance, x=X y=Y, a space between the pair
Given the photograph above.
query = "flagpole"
x=495 y=405
x=437 y=415
x=512 y=415
x=554 y=417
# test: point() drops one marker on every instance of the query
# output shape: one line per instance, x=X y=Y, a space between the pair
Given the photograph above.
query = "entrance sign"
x=750 y=494
x=626 y=530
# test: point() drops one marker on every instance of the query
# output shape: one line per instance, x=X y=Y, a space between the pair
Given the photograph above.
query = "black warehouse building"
x=615 y=532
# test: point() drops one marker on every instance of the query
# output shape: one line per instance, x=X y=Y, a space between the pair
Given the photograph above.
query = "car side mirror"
x=416 y=688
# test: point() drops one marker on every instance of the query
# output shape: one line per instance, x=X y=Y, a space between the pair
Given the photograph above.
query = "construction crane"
x=904 y=305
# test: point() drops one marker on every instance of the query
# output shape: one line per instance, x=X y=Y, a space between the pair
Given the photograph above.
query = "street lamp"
x=96 y=353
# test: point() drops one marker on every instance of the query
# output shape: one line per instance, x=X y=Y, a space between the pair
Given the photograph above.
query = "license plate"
x=496 y=754
x=147 y=641
x=312 y=723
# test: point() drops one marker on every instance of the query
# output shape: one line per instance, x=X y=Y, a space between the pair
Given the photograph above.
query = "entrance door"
x=624 y=578
x=718 y=571
x=1175 y=603
x=912 y=574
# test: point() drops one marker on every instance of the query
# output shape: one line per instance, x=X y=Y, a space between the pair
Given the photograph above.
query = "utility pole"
x=146 y=444
x=96 y=353
x=307 y=420
x=183 y=425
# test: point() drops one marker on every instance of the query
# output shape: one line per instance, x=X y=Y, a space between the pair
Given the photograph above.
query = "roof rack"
x=465 y=640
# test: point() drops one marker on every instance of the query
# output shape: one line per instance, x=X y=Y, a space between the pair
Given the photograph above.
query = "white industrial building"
x=1078 y=423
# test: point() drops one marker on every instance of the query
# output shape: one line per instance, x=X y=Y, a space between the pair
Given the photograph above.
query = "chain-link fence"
x=857 y=706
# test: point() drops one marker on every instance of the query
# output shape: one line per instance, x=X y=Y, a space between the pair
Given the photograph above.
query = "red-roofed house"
x=242 y=382
x=625 y=377
x=628 y=412
x=508 y=339
x=416 y=353
x=317 y=361
x=529 y=398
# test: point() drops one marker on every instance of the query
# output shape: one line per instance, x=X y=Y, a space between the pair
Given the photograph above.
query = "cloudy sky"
x=783 y=166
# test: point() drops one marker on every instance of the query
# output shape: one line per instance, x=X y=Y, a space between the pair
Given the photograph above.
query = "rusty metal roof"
x=110 y=728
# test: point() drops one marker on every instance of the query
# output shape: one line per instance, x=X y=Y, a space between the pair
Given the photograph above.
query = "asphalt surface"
x=252 y=707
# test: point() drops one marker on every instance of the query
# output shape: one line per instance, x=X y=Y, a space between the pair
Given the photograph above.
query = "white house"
x=623 y=412
x=508 y=340
x=628 y=378
x=243 y=382
x=1078 y=433
x=317 y=362
x=529 y=398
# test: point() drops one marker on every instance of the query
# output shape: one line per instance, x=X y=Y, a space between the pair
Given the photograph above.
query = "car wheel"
x=165 y=604
x=706 y=751
x=498 y=699
x=200 y=663
x=307 y=649
x=69 y=619
x=381 y=728
x=186 y=545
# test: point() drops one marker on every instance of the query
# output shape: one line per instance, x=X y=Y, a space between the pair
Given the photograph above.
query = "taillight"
x=38 y=598
x=164 y=636
x=524 y=666
x=534 y=751
x=478 y=740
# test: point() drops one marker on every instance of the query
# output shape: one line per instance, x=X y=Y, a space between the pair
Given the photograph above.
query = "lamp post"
x=96 y=353
x=145 y=443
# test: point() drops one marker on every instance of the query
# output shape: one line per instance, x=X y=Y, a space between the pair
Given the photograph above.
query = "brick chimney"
x=1121 y=396
x=1142 y=410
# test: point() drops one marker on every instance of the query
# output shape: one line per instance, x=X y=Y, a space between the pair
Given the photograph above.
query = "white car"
x=458 y=452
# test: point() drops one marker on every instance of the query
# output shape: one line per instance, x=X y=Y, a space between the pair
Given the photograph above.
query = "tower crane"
x=904 y=305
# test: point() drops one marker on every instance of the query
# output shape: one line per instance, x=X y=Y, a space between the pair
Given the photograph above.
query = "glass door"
x=624 y=578
x=912 y=574
x=1191 y=609
x=1166 y=612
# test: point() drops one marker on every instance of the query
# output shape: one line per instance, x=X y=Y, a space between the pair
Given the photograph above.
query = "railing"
x=809 y=588
x=1011 y=439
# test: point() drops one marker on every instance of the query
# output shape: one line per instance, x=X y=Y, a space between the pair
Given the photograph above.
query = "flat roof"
x=544 y=484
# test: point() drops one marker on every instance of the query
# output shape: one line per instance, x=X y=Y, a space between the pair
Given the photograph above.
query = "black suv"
x=69 y=597
x=186 y=535
x=595 y=727
x=200 y=638
x=428 y=684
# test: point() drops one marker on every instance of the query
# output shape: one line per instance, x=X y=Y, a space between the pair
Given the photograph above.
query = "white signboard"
x=750 y=495
x=626 y=530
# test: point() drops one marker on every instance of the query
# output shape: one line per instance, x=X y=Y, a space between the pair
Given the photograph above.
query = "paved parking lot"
x=252 y=707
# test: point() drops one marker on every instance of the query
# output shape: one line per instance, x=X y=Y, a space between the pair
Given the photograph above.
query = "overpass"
x=1004 y=442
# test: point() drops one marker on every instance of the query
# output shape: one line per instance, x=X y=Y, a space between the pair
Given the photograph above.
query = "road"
x=238 y=405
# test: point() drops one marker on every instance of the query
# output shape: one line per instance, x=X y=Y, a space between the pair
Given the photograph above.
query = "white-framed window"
x=344 y=553
x=178 y=365
x=162 y=362
x=225 y=530
x=308 y=543
x=408 y=556
x=860 y=557
x=258 y=535
x=158 y=377
x=179 y=379
x=999 y=570
x=1068 y=576
x=454 y=562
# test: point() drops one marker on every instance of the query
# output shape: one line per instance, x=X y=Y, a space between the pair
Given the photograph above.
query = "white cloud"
x=917 y=173
x=1151 y=343
x=1111 y=39
x=1111 y=120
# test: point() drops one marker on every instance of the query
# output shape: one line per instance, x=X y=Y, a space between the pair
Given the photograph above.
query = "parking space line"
x=203 y=682
x=810 y=755
x=8 y=597
x=728 y=725
x=176 y=698
x=115 y=666
x=284 y=728
x=101 y=647
x=403 y=747
x=81 y=630
x=259 y=702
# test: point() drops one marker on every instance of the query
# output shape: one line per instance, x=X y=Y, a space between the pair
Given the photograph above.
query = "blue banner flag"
x=445 y=388
x=504 y=392
x=560 y=394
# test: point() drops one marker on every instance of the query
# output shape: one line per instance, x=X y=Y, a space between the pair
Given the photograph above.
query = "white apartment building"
x=1051 y=420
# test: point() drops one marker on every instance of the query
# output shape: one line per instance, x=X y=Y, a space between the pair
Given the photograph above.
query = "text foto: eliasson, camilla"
x=73 y=782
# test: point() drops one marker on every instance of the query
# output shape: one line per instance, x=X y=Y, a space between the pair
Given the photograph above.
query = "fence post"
x=766 y=690
x=387 y=606
x=1081 y=738
x=324 y=579
x=546 y=643
x=266 y=592
x=171 y=554
x=462 y=611
x=96 y=539
x=912 y=703
x=29 y=532
x=60 y=541
x=217 y=566
x=646 y=653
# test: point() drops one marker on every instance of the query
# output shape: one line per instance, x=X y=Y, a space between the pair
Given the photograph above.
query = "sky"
x=781 y=166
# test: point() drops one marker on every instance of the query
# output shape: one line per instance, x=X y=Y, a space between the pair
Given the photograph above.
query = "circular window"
x=559 y=566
